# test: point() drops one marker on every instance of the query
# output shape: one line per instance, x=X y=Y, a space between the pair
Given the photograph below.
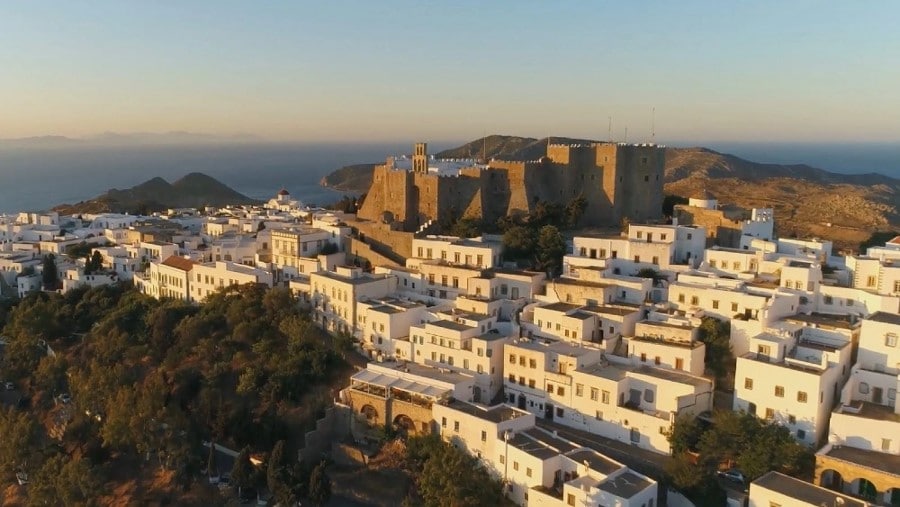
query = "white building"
x=474 y=252
x=778 y=490
x=573 y=385
x=540 y=469
x=335 y=294
x=793 y=378
x=207 y=278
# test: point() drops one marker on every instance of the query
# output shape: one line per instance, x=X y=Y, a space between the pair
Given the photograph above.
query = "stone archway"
x=863 y=488
x=370 y=413
x=404 y=425
x=832 y=480
x=892 y=497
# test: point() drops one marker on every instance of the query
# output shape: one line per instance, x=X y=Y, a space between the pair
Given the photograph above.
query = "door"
x=876 y=395
x=548 y=411
x=521 y=403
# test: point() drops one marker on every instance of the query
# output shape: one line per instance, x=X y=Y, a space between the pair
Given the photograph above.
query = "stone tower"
x=420 y=158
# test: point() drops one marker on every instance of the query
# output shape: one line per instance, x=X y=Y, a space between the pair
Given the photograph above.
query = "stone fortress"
x=618 y=181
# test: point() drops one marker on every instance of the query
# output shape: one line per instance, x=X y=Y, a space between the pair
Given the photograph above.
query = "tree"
x=319 y=485
x=467 y=228
x=94 y=263
x=519 y=242
x=651 y=273
x=669 y=203
x=685 y=434
x=450 y=476
x=50 y=275
x=575 y=210
x=716 y=334
x=242 y=471
x=551 y=249
x=276 y=467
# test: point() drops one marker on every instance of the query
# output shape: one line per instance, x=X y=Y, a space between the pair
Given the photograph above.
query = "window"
x=801 y=396
x=748 y=384
x=502 y=459
x=484 y=436
x=734 y=307
x=512 y=359
x=695 y=300
x=643 y=357
x=886 y=444
x=595 y=393
x=770 y=413
x=773 y=504
x=801 y=434
x=681 y=298
x=890 y=340
x=648 y=395
x=560 y=412
x=779 y=391
x=570 y=499
x=870 y=281
x=455 y=425
x=715 y=305
x=792 y=419
x=606 y=397
x=863 y=388
x=560 y=391
x=512 y=378
x=515 y=465
x=528 y=472
x=829 y=300
x=679 y=363
x=579 y=389
x=532 y=363
x=598 y=415
x=443 y=422
x=656 y=360
x=635 y=435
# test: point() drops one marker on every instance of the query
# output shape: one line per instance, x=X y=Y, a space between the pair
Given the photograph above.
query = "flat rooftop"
x=672 y=376
x=609 y=371
x=826 y=319
x=494 y=414
x=625 y=485
x=595 y=461
x=451 y=325
x=870 y=410
x=359 y=280
x=885 y=318
x=781 y=364
x=803 y=491
x=560 y=307
x=619 y=309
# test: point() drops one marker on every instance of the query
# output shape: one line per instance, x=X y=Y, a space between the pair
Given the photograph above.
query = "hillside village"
x=561 y=383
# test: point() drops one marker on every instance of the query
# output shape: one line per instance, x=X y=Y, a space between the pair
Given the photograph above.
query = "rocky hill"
x=192 y=190
x=808 y=201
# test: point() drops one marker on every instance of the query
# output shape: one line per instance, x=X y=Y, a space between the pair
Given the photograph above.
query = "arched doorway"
x=892 y=497
x=832 y=480
x=370 y=413
x=404 y=425
x=863 y=488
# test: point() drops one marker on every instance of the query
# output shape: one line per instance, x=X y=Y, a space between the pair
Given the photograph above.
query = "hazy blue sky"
x=403 y=70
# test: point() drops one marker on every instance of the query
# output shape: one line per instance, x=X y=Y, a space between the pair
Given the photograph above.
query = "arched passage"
x=370 y=413
x=832 y=480
x=892 y=497
x=404 y=425
x=863 y=488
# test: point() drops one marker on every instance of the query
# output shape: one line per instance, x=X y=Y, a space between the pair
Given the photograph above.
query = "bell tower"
x=420 y=158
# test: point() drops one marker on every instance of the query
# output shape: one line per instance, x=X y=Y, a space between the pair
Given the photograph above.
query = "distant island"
x=808 y=201
x=194 y=190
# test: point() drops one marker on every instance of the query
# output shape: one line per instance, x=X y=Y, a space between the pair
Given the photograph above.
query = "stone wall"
x=319 y=440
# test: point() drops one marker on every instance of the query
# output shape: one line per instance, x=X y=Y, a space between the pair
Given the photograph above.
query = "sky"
x=375 y=71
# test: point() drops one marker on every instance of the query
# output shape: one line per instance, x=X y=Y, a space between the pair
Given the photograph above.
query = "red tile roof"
x=179 y=263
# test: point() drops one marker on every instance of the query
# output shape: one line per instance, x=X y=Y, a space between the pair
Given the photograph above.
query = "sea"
x=39 y=177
